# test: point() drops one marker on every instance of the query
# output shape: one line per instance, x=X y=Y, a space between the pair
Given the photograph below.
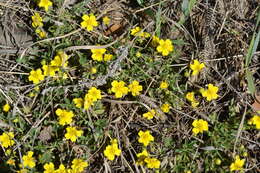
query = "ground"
x=129 y=86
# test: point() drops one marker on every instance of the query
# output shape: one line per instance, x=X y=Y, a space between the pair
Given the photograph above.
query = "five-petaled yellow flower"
x=165 y=108
x=6 y=107
x=36 y=76
x=210 y=93
x=119 y=88
x=237 y=165
x=6 y=139
x=196 y=67
x=94 y=94
x=97 y=54
x=108 y=57
x=145 y=137
x=72 y=133
x=89 y=21
x=199 y=126
x=60 y=60
x=45 y=4
x=112 y=150
x=164 y=85
x=149 y=115
x=37 y=20
x=152 y=162
x=49 y=168
x=135 y=88
x=255 y=120
x=28 y=160
x=65 y=117
x=78 y=165
x=165 y=47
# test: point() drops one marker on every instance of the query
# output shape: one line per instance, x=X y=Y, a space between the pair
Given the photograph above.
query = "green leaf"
x=250 y=81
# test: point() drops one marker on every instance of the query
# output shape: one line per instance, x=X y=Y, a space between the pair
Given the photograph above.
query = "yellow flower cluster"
x=137 y=31
x=38 y=25
x=165 y=108
x=199 y=126
x=190 y=97
x=237 y=165
x=89 y=22
x=143 y=158
x=6 y=139
x=78 y=166
x=119 y=88
x=112 y=150
x=91 y=97
x=255 y=120
x=196 y=67
x=59 y=61
x=99 y=55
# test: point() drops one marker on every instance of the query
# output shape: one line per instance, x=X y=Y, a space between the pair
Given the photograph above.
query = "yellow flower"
x=165 y=47
x=49 y=70
x=65 y=117
x=22 y=171
x=49 y=168
x=45 y=4
x=145 y=137
x=11 y=162
x=210 y=93
x=60 y=60
x=141 y=156
x=136 y=31
x=108 y=57
x=196 y=67
x=119 y=88
x=36 y=76
x=164 y=85
x=97 y=54
x=218 y=162
x=106 y=20
x=6 y=107
x=165 y=108
x=78 y=102
x=88 y=102
x=41 y=33
x=152 y=162
x=138 y=54
x=146 y=34
x=61 y=169
x=37 y=20
x=135 y=88
x=94 y=94
x=190 y=96
x=194 y=104
x=111 y=151
x=72 y=133
x=78 y=165
x=6 y=139
x=89 y=22
x=237 y=165
x=149 y=115
x=199 y=126
x=28 y=160
x=255 y=120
